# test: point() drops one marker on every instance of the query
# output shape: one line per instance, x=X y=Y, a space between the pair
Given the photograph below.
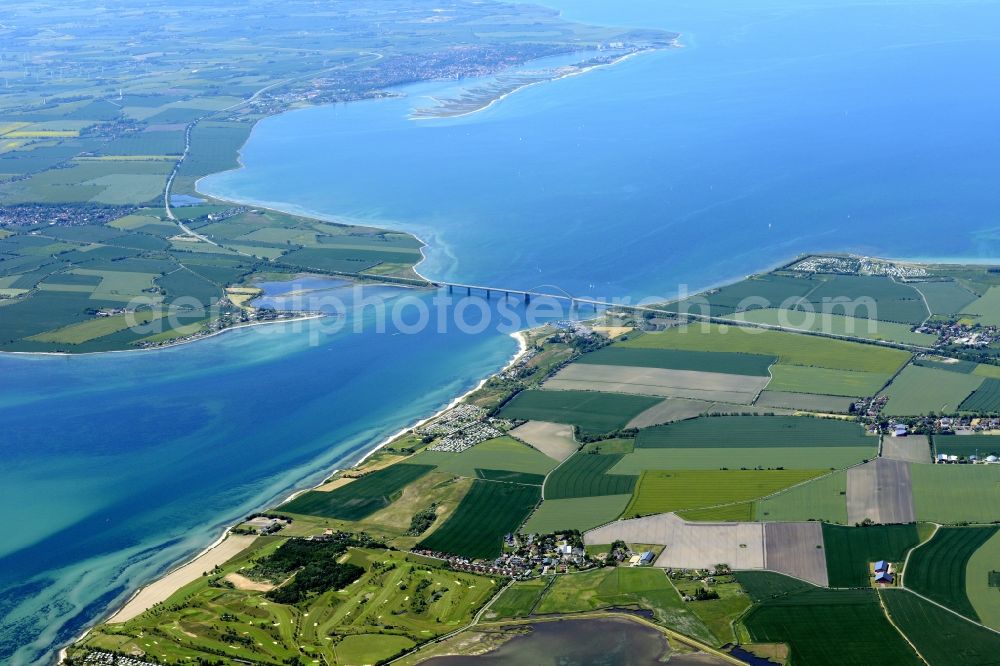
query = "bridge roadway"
x=642 y=309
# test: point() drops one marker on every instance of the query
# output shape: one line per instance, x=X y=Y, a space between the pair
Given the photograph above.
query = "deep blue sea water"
x=778 y=128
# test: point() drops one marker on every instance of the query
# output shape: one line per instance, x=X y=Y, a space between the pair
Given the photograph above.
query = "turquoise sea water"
x=779 y=127
x=116 y=466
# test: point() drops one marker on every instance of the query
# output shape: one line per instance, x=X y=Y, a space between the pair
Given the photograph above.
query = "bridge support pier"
x=487 y=294
x=449 y=289
x=527 y=299
x=468 y=291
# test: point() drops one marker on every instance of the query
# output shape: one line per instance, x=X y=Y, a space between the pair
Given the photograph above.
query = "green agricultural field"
x=96 y=328
x=768 y=290
x=624 y=587
x=849 y=383
x=987 y=370
x=833 y=324
x=965 y=446
x=359 y=498
x=985 y=399
x=826 y=404
x=824 y=498
x=586 y=475
x=938 y=568
x=850 y=550
x=518 y=600
x=790 y=348
x=719 y=614
x=919 y=390
x=811 y=457
x=486 y=514
x=964 y=367
x=754 y=432
x=502 y=453
x=830 y=627
x=671 y=359
x=576 y=513
x=945 y=298
x=956 y=493
x=45 y=311
x=592 y=411
x=765 y=585
x=119 y=285
x=674 y=490
x=942 y=638
x=982 y=584
x=986 y=309
x=423 y=599
x=893 y=301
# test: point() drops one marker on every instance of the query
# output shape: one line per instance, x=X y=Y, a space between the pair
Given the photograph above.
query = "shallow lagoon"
x=592 y=642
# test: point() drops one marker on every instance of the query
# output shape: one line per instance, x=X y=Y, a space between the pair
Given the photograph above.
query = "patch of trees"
x=315 y=577
x=314 y=563
x=422 y=520
x=586 y=438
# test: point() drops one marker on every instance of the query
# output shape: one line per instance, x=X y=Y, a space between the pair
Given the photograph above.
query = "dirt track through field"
x=880 y=490
x=709 y=386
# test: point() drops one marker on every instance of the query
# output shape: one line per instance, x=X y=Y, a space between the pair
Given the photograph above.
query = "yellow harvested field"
x=42 y=134
x=240 y=295
x=613 y=331
x=7 y=128
x=333 y=485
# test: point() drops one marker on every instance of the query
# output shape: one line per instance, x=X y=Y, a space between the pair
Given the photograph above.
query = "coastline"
x=522 y=348
x=525 y=86
x=182 y=565
x=305 y=317
x=519 y=336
